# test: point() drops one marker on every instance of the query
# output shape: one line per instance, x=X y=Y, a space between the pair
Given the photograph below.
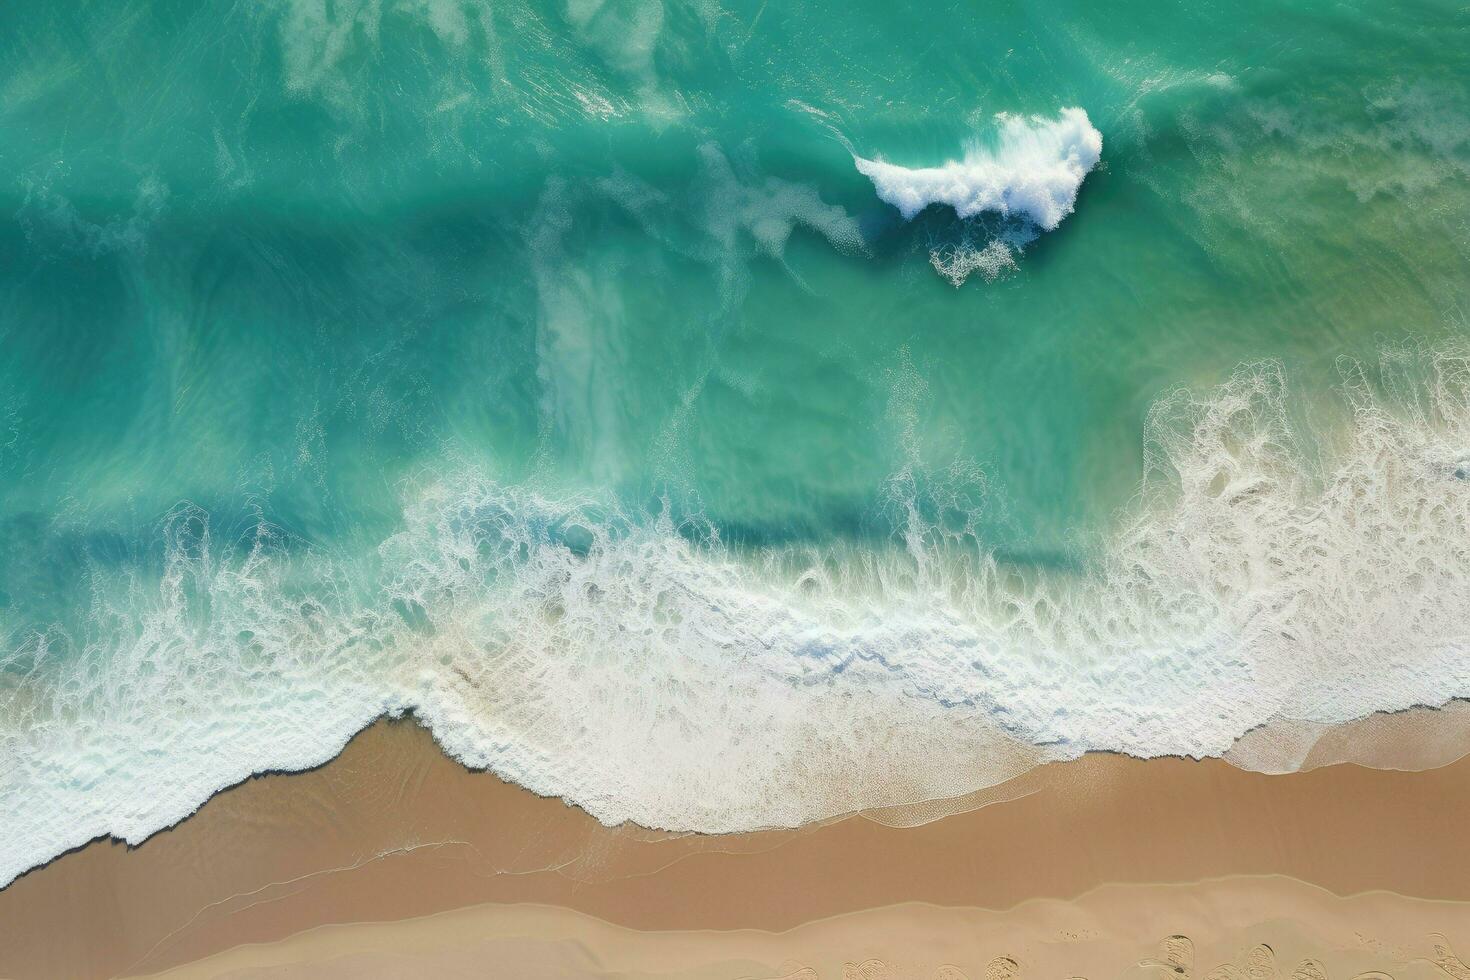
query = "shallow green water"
x=290 y=261
x=292 y=249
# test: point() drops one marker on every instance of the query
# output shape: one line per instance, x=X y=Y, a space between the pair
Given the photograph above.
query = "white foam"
x=1031 y=170
x=958 y=264
x=649 y=673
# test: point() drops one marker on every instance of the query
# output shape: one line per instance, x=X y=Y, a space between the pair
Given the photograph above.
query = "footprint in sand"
x=1446 y=960
x=871 y=969
x=1176 y=954
x=948 y=972
x=1260 y=964
x=1002 y=968
x=1309 y=970
x=803 y=973
x=1226 y=971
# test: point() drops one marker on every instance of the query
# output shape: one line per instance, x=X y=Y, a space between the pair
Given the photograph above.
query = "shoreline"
x=1432 y=736
x=393 y=829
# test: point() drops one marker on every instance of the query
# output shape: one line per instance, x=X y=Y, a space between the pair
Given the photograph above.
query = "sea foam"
x=640 y=668
x=1032 y=169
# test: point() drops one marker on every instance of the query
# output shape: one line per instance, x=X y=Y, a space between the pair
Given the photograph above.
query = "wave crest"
x=1032 y=170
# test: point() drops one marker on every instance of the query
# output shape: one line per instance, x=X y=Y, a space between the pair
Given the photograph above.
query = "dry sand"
x=1232 y=929
x=394 y=833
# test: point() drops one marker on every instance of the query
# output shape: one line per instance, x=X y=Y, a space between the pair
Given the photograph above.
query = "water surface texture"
x=720 y=415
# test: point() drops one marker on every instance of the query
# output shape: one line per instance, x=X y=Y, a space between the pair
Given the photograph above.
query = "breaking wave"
x=635 y=664
x=1032 y=169
x=1004 y=192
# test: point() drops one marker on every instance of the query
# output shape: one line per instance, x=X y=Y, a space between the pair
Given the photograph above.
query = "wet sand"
x=394 y=833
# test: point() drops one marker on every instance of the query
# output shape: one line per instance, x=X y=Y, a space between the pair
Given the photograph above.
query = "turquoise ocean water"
x=553 y=371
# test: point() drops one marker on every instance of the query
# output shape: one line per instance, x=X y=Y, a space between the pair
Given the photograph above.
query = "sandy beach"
x=394 y=841
x=734 y=490
x=1256 y=928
